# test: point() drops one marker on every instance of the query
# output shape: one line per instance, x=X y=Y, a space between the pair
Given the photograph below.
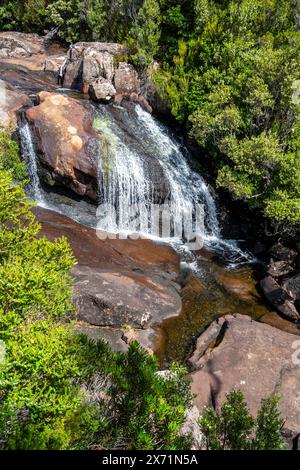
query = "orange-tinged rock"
x=66 y=141
x=119 y=281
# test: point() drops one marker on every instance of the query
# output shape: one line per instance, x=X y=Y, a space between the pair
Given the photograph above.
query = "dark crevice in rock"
x=221 y=334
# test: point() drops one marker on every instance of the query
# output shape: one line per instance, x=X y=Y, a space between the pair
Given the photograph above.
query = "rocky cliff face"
x=96 y=69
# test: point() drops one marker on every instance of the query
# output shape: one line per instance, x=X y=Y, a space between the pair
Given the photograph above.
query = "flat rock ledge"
x=122 y=288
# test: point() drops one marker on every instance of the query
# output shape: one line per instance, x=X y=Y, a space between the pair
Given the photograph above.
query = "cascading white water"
x=122 y=181
x=134 y=149
x=187 y=187
x=129 y=178
x=138 y=144
x=29 y=154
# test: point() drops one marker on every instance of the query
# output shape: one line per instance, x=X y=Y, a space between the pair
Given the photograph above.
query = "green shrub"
x=234 y=428
x=9 y=155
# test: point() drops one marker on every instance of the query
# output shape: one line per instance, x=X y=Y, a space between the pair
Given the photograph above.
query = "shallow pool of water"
x=214 y=291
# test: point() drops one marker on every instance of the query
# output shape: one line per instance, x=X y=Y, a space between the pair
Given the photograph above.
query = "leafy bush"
x=234 y=428
x=9 y=155
x=142 y=408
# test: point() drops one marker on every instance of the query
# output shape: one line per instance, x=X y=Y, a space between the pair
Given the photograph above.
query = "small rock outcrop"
x=282 y=284
x=126 y=79
x=237 y=352
x=11 y=100
x=101 y=90
x=20 y=45
x=95 y=68
x=88 y=61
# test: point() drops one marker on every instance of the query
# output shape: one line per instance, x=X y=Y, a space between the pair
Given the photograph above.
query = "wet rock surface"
x=279 y=297
x=237 y=352
x=119 y=282
x=241 y=287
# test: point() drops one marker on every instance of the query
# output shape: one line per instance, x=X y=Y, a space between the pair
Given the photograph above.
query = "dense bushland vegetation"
x=227 y=72
x=232 y=81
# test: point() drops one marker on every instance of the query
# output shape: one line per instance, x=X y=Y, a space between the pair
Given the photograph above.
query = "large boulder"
x=279 y=297
x=88 y=61
x=66 y=142
x=282 y=285
x=96 y=64
x=126 y=79
x=101 y=90
x=292 y=287
x=92 y=66
x=279 y=268
x=237 y=352
x=11 y=101
x=19 y=45
x=282 y=252
x=118 y=282
x=242 y=287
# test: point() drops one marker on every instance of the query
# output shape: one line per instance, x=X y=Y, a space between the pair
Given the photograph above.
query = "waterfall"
x=187 y=186
x=61 y=72
x=134 y=148
x=142 y=165
x=137 y=150
x=29 y=154
x=123 y=181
